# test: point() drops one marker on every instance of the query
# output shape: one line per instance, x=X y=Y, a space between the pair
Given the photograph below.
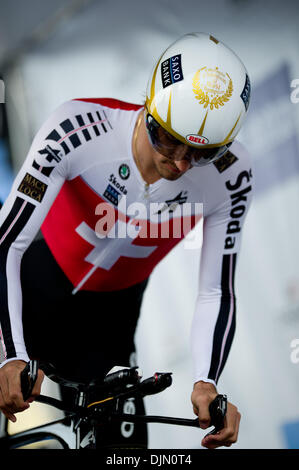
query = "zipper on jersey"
x=146 y=190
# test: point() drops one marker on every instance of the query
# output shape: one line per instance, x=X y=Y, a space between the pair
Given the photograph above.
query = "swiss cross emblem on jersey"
x=124 y=256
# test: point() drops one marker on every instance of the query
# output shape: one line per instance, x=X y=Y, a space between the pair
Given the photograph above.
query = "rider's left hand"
x=203 y=394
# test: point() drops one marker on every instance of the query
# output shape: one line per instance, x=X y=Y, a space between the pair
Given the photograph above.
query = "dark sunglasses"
x=167 y=145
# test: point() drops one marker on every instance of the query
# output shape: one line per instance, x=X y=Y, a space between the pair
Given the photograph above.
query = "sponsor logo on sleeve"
x=238 y=206
x=33 y=187
x=171 y=70
x=51 y=154
x=225 y=162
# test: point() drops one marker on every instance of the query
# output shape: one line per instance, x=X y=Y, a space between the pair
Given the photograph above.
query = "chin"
x=170 y=176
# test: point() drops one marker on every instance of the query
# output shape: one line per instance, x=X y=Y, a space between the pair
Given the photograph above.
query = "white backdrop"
x=108 y=50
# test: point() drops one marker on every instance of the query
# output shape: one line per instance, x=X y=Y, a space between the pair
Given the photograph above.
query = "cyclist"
x=71 y=292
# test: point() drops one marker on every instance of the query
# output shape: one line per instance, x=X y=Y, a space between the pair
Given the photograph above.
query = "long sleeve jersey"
x=107 y=229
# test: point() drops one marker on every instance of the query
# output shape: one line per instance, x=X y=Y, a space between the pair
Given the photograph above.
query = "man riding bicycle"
x=100 y=200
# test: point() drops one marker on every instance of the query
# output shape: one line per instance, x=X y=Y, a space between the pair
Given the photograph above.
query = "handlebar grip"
x=217 y=411
x=28 y=378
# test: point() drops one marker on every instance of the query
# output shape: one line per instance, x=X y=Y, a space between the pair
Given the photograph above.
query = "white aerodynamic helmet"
x=199 y=94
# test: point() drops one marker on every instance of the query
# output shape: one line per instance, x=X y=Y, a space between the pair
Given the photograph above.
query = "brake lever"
x=217 y=409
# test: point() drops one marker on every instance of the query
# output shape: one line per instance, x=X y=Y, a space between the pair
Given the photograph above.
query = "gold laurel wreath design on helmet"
x=203 y=96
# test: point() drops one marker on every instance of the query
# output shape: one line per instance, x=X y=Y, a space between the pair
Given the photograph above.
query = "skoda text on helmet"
x=198 y=95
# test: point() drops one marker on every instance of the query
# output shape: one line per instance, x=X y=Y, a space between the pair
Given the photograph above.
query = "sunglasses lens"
x=203 y=156
x=167 y=145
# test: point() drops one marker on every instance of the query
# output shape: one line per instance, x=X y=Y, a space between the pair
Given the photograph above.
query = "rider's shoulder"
x=215 y=175
x=112 y=103
x=82 y=112
x=236 y=159
x=85 y=105
x=217 y=181
x=241 y=152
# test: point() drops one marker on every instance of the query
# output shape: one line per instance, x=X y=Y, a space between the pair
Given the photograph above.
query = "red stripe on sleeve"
x=112 y=103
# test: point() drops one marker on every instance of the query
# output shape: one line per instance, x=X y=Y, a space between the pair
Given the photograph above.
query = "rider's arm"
x=61 y=150
x=33 y=192
x=214 y=317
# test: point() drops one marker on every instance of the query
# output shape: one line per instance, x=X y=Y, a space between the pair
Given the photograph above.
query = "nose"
x=182 y=165
x=181 y=162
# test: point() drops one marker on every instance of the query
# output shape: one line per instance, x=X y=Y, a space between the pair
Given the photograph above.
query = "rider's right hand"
x=11 y=398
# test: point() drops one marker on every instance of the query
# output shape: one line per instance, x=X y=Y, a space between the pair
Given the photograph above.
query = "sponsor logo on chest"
x=114 y=191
